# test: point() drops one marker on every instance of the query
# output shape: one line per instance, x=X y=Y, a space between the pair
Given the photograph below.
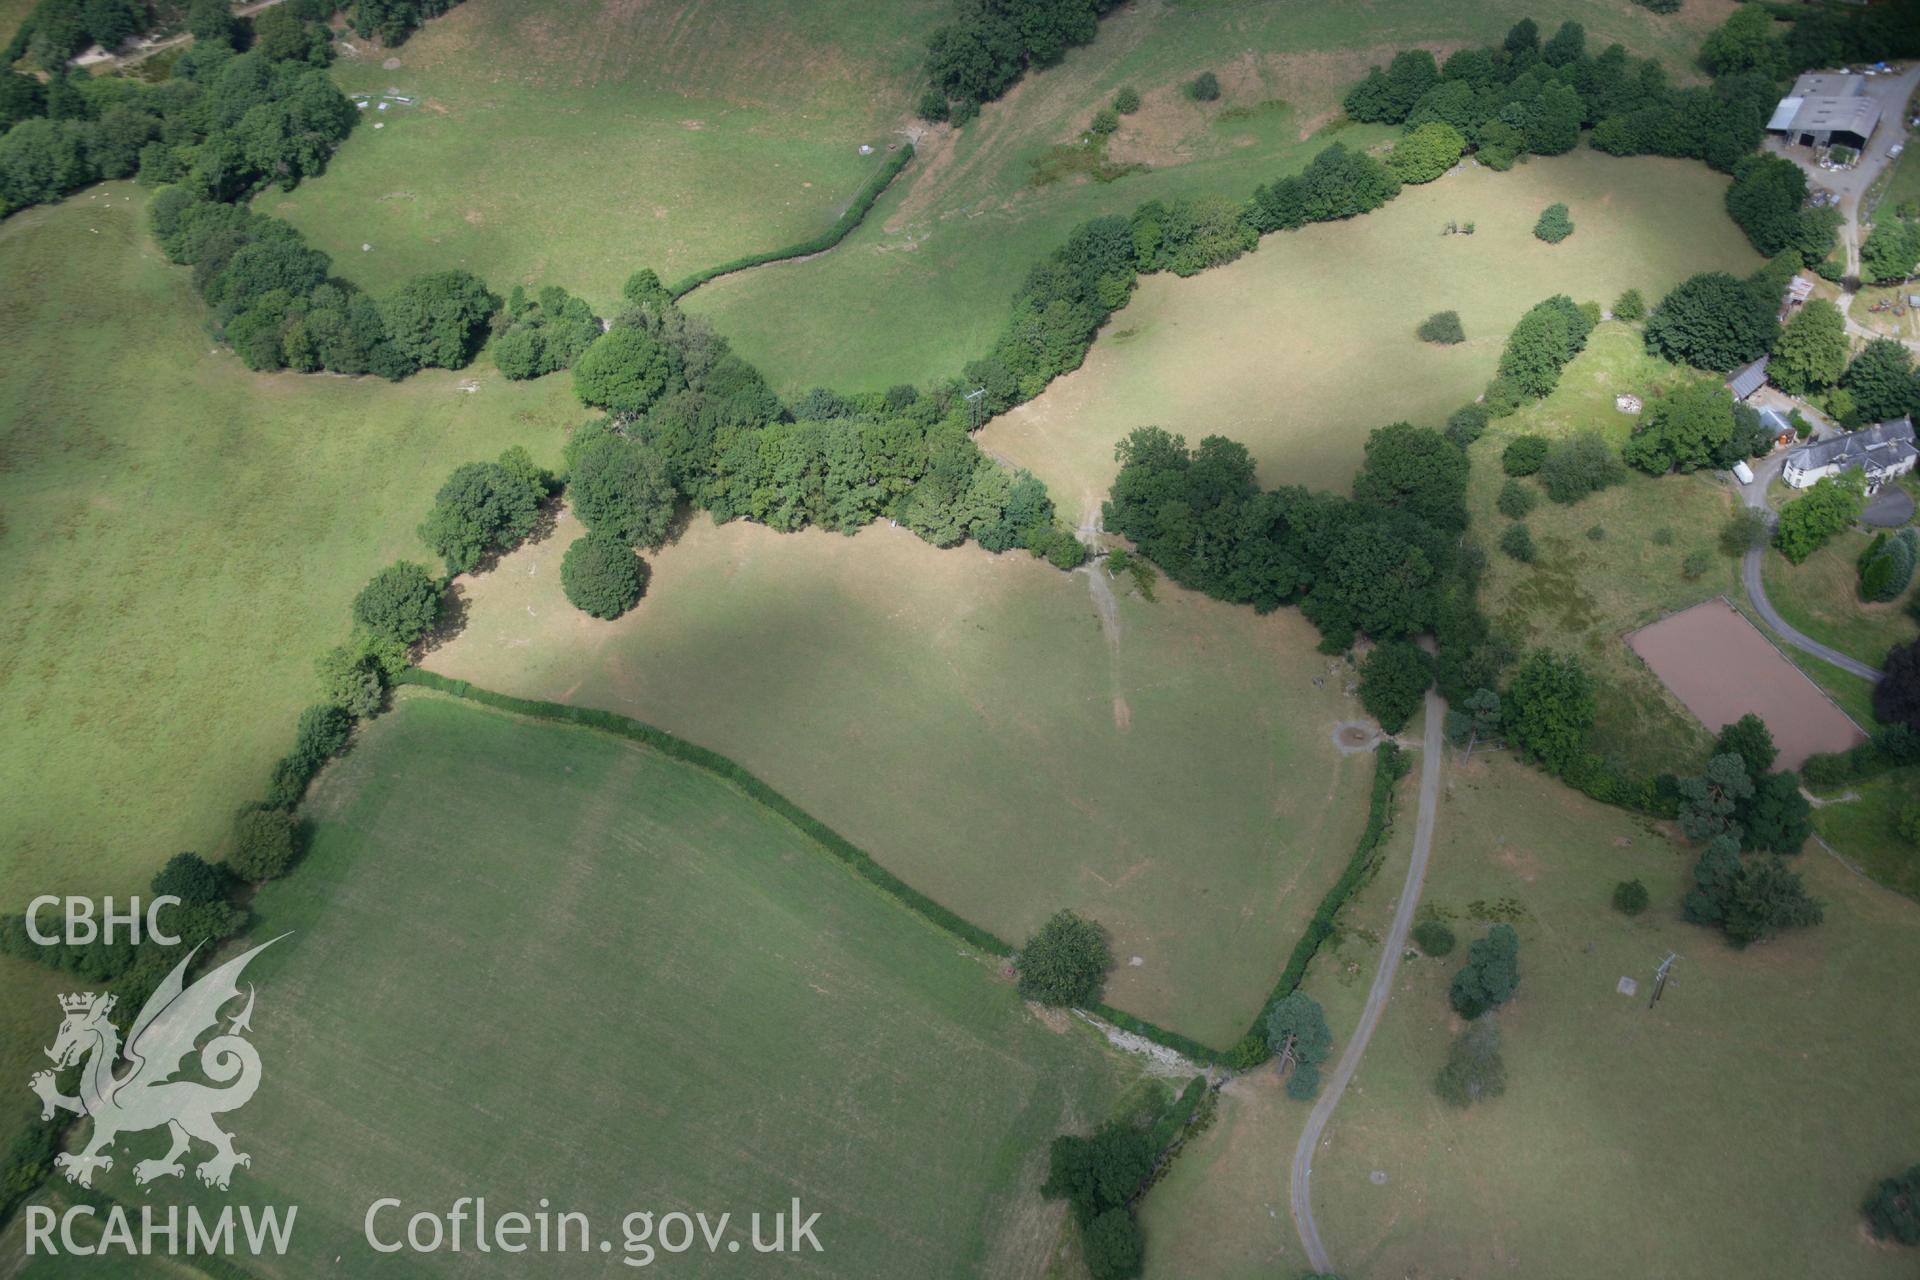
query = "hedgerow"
x=1389 y=766
x=842 y=227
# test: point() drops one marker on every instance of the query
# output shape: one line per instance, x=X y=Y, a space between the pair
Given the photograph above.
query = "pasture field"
x=638 y=991
x=923 y=286
x=570 y=143
x=1822 y=598
x=1222 y=1209
x=1630 y=1140
x=1860 y=821
x=181 y=540
x=1302 y=348
x=1583 y=595
x=1006 y=738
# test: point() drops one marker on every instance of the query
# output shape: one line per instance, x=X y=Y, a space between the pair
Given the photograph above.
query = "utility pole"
x=976 y=408
x=1660 y=978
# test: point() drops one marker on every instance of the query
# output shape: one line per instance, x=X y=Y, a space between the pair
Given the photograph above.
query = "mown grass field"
x=1630 y=1141
x=1582 y=595
x=181 y=540
x=1822 y=598
x=923 y=285
x=1302 y=348
x=1860 y=820
x=557 y=142
x=533 y=961
x=971 y=722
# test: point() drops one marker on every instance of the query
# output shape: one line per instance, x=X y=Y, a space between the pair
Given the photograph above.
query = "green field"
x=1822 y=598
x=532 y=960
x=562 y=142
x=1859 y=821
x=1304 y=347
x=970 y=722
x=1584 y=594
x=1732 y=1130
x=181 y=540
x=923 y=285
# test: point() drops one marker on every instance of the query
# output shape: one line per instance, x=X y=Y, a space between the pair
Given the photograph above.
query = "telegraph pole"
x=1660 y=978
x=976 y=408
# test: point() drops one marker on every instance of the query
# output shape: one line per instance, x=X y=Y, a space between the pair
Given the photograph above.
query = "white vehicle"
x=1896 y=149
x=1743 y=473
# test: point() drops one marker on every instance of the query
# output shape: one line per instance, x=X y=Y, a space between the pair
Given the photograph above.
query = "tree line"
x=55 y=31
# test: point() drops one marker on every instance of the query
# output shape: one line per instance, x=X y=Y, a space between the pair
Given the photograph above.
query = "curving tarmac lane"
x=1755 y=495
x=1302 y=1193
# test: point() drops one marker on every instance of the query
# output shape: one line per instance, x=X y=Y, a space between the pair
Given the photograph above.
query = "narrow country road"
x=1755 y=496
x=1302 y=1193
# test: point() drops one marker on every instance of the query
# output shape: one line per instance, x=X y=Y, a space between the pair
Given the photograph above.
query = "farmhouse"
x=1882 y=451
x=1824 y=109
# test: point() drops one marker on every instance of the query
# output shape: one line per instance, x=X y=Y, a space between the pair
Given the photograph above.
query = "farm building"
x=1882 y=451
x=1747 y=379
x=1799 y=289
x=1825 y=109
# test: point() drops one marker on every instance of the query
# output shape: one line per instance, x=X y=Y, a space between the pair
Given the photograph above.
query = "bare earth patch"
x=1720 y=665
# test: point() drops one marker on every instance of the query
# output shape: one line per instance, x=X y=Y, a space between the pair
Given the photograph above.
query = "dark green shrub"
x=1630 y=897
x=1580 y=465
x=1204 y=87
x=1065 y=963
x=1597 y=533
x=1517 y=499
x=321 y=733
x=263 y=845
x=932 y=106
x=1517 y=542
x=1893 y=1210
x=1695 y=564
x=1105 y=121
x=1630 y=306
x=1127 y=101
x=1433 y=938
x=1663 y=536
x=601 y=575
x=402 y=601
x=1442 y=327
x=1524 y=455
x=1491 y=974
x=1475 y=1069
x=192 y=879
x=1393 y=679
x=1467 y=423
x=1554 y=224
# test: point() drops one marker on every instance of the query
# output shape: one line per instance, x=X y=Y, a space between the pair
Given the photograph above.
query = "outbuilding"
x=1826 y=109
x=1747 y=379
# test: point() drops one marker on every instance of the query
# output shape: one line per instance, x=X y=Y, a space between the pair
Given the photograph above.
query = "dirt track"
x=1396 y=944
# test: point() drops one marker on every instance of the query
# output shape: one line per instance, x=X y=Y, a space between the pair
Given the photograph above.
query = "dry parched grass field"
x=1303 y=347
x=975 y=724
x=1730 y=1131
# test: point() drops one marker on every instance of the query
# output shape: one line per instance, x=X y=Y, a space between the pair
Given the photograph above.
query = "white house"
x=1882 y=451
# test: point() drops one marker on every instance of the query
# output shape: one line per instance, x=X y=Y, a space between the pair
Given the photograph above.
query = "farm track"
x=1301 y=1192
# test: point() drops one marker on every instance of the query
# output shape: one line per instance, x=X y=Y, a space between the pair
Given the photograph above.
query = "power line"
x=1660 y=978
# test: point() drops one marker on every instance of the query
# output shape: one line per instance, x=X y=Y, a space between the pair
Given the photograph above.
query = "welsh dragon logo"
x=145 y=1095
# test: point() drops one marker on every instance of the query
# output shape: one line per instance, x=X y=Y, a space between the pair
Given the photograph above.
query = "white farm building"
x=1882 y=451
